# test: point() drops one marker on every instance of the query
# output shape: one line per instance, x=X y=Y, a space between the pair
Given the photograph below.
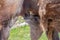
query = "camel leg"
x=55 y=35
x=52 y=34
x=35 y=32
x=4 y=33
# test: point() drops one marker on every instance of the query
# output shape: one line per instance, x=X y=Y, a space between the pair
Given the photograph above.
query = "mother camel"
x=49 y=11
x=11 y=9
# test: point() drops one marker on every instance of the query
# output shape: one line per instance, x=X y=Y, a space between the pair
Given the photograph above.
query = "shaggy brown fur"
x=50 y=15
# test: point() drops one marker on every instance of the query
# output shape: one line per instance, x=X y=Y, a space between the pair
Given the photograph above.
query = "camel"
x=28 y=9
x=49 y=11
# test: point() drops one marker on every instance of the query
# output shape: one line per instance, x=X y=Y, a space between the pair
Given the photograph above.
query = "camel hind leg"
x=52 y=34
